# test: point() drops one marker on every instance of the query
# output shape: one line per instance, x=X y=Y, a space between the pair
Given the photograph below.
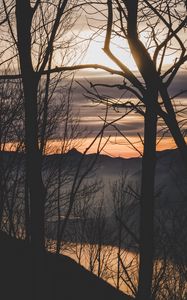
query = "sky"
x=131 y=126
x=92 y=114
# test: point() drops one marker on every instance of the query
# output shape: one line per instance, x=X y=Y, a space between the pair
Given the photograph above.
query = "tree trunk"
x=33 y=157
x=147 y=207
x=171 y=122
x=176 y=133
x=149 y=74
x=30 y=81
x=27 y=209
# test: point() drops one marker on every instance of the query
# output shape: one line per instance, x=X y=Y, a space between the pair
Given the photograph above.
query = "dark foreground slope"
x=64 y=278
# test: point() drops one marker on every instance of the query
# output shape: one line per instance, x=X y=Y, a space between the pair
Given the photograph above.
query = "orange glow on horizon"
x=115 y=147
x=124 y=149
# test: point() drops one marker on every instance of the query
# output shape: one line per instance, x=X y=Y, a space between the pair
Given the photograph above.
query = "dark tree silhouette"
x=127 y=20
x=29 y=24
x=26 y=25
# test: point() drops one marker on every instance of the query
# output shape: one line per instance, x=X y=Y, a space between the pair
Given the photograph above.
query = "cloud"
x=91 y=114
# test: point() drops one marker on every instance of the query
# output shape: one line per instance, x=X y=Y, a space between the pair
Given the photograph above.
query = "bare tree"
x=11 y=129
x=127 y=20
x=34 y=31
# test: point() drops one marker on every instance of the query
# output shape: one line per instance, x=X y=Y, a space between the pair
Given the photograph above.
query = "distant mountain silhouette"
x=170 y=171
x=170 y=189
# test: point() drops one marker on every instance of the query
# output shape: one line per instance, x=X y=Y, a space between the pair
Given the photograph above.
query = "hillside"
x=64 y=278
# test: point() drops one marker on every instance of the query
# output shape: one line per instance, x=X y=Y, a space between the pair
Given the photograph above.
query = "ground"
x=63 y=277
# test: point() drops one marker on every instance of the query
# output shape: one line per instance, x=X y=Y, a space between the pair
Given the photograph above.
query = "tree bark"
x=146 y=231
x=30 y=81
x=172 y=124
x=33 y=157
x=147 y=207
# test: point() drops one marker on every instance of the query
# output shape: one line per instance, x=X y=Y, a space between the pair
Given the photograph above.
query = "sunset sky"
x=131 y=126
x=91 y=114
x=88 y=49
